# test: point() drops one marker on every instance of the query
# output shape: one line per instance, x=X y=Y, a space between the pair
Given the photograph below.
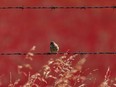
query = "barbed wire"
x=57 y=7
x=48 y=53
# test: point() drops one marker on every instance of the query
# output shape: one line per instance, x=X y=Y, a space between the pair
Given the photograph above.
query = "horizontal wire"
x=48 y=53
x=56 y=7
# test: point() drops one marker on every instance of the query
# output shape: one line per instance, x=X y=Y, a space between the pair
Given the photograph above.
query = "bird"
x=54 y=48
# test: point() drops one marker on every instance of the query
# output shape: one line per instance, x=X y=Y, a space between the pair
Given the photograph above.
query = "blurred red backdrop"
x=87 y=30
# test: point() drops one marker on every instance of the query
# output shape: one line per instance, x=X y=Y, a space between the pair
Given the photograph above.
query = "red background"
x=88 y=30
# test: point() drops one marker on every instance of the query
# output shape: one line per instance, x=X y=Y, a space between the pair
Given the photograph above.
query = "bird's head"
x=52 y=42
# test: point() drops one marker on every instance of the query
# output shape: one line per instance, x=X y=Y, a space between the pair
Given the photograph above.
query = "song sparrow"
x=54 y=48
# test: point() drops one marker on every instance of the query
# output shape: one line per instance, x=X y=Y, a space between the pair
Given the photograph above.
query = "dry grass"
x=60 y=72
x=108 y=82
x=65 y=71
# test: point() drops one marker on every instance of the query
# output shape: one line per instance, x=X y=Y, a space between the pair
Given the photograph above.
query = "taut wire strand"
x=57 y=7
x=48 y=53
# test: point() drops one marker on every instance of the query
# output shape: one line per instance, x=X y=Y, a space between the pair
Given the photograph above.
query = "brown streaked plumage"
x=54 y=48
